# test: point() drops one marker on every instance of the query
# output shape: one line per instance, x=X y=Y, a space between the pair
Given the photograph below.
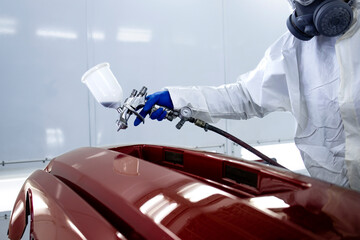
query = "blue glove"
x=159 y=98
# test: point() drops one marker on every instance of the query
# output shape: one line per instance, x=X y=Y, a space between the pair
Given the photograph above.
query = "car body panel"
x=160 y=192
x=56 y=212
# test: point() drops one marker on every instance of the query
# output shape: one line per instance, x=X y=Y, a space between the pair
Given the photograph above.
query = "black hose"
x=207 y=126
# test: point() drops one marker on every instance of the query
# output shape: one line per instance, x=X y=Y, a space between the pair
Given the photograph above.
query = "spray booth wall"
x=46 y=46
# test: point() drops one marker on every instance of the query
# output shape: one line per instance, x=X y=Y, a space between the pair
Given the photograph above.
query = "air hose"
x=207 y=127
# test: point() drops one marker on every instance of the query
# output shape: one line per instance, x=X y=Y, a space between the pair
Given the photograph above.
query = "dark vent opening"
x=174 y=158
x=241 y=176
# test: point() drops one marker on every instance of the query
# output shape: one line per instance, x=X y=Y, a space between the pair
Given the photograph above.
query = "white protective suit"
x=318 y=81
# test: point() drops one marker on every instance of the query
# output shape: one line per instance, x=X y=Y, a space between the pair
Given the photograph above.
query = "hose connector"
x=202 y=124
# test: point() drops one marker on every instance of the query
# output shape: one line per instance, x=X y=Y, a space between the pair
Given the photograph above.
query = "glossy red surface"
x=156 y=192
x=57 y=212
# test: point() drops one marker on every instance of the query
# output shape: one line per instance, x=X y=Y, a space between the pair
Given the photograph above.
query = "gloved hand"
x=159 y=98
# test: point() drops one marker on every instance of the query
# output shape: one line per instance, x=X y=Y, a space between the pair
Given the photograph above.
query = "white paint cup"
x=103 y=85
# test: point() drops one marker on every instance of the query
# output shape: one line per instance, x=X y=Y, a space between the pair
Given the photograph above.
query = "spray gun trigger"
x=139 y=116
x=132 y=110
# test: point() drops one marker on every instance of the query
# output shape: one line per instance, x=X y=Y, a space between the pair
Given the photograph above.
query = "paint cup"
x=103 y=85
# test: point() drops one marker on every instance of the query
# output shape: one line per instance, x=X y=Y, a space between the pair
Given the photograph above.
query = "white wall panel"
x=43 y=104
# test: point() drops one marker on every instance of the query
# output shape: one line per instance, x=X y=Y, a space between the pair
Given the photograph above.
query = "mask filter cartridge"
x=328 y=18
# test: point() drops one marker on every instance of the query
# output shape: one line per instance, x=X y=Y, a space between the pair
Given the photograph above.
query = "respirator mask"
x=319 y=17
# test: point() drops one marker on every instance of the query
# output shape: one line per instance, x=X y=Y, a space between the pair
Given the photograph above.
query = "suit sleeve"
x=256 y=93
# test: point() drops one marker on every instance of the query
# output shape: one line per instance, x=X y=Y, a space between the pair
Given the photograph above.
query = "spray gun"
x=137 y=100
x=107 y=91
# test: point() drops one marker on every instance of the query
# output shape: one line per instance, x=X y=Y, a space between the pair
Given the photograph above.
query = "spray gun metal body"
x=133 y=103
